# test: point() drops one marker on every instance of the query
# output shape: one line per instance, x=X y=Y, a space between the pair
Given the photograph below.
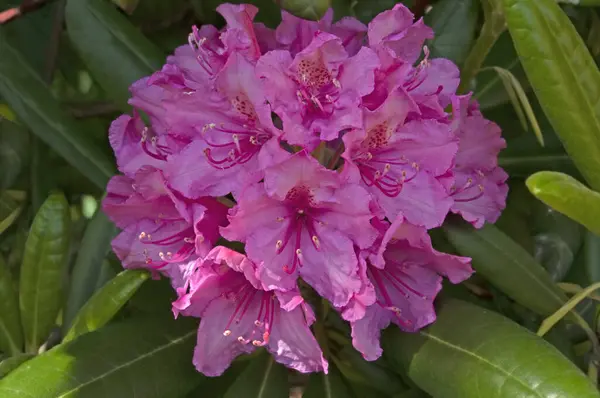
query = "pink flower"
x=159 y=226
x=304 y=220
x=136 y=145
x=238 y=316
x=405 y=273
x=400 y=163
x=479 y=190
x=317 y=93
x=295 y=34
x=394 y=29
x=236 y=139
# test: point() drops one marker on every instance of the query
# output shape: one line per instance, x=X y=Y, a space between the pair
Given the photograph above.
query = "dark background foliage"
x=73 y=324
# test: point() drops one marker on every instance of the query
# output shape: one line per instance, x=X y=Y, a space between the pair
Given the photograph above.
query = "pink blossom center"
x=183 y=241
x=302 y=216
x=381 y=165
x=471 y=190
x=317 y=87
x=247 y=300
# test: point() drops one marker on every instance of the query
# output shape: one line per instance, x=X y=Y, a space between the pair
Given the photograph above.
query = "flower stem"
x=493 y=26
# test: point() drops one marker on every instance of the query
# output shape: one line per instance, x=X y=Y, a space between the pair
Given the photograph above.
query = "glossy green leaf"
x=473 y=352
x=10 y=208
x=115 y=51
x=94 y=247
x=149 y=358
x=564 y=76
x=568 y=196
x=46 y=254
x=11 y=335
x=508 y=266
x=14 y=152
x=104 y=305
x=33 y=102
x=307 y=9
x=454 y=23
x=10 y=364
x=263 y=378
x=593 y=3
x=331 y=385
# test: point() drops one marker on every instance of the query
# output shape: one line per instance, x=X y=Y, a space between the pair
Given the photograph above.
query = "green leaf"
x=454 y=23
x=490 y=91
x=149 y=358
x=591 y=250
x=32 y=101
x=115 y=51
x=263 y=378
x=520 y=102
x=10 y=208
x=307 y=9
x=31 y=33
x=10 y=364
x=568 y=196
x=508 y=266
x=472 y=352
x=94 y=247
x=14 y=152
x=366 y=10
x=11 y=335
x=354 y=367
x=564 y=76
x=331 y=385
x=103 y=305
x=553 y=319
x=216 y=387
x=46 y=254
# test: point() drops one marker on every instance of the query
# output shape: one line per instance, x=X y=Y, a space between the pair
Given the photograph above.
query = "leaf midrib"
x=126 y=364
x=481 y=359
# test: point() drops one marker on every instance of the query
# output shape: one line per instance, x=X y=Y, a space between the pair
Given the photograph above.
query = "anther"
x=316 y=241
x=236 y=141
x=258 y=323
x=279 y=244
x=188 y=240
x=256 y=343
x=142 y=235
x=336 y=83
x=227 y=333
x=280 y=219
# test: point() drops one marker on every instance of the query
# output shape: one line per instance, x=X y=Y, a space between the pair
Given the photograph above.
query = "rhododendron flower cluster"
x=327 y=150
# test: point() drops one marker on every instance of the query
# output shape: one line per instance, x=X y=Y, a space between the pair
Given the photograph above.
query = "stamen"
x=316 y=242
x=227 y=333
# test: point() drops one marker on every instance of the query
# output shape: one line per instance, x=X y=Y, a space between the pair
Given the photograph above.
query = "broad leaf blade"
x=329 y=385
x=508 y=266
x=564 y=76
x=306 y=9
x=568 y=196
x=94 y=247
x=103 y=305
x=150 y=358
x=10 y=364
x=263 y=378
x=33 y=102
x=11 y=335
x=115 y=51
x=454 y=23
x=46 y=254
x=470 y=352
